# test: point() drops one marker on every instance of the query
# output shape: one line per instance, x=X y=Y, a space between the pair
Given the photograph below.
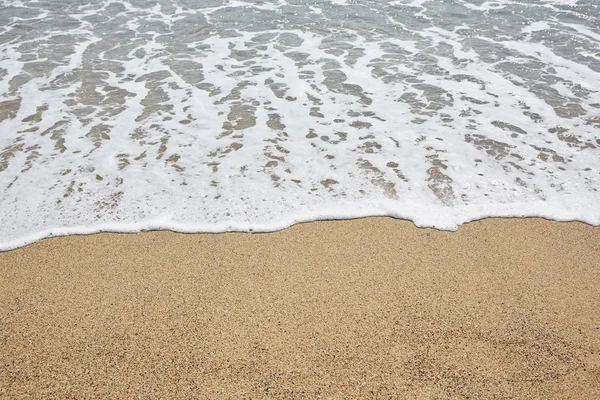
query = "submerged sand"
x=369 y=308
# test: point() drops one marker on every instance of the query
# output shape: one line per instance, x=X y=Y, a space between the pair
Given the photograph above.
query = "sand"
x=369 y=308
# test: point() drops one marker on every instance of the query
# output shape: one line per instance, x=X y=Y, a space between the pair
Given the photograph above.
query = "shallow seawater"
x=216 y=115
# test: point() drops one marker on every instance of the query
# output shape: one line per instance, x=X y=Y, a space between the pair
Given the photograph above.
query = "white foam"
x=236 y=116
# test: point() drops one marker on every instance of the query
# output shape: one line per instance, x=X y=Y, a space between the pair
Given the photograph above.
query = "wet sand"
x=370 y=308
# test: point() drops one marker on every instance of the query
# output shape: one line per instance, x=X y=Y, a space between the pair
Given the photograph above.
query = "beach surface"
x=369 y=308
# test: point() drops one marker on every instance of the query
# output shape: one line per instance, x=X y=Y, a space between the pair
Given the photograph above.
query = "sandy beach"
x=369 y=308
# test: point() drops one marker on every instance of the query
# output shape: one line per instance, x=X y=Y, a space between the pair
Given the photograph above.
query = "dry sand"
x=370 y=308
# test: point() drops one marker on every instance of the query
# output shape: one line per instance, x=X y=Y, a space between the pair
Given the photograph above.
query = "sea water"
x=220 y=115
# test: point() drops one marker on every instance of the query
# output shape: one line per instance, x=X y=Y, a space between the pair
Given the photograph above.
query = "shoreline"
x=503 y=307
x=150 y=226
